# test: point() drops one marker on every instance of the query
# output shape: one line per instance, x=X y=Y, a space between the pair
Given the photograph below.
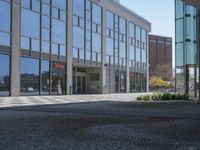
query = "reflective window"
x=4 y=75
x=45 y=73
x=96 y=13
x=4 y=16
x=5 y=39
x=58 y=32
x=5 y=23
x=25 y=3
x=78 y=37
x=29 y=72
x=30 y=27
x=59 y=4
x=25 y=43
x=78 y=8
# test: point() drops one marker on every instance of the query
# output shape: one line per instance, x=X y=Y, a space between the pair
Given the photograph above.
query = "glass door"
x=79 y=85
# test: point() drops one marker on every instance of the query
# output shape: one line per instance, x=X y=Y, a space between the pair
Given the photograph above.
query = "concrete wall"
x=15 y=48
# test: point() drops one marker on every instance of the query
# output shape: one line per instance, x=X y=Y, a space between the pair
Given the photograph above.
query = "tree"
x=157 y=82
x=164 y=72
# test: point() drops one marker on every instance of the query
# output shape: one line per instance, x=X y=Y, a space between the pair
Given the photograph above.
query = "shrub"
x=139 y=98
x=164 y=96
x=147 y=97
x=155 y=97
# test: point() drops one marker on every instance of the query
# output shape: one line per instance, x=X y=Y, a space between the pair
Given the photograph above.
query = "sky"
x=160 y=13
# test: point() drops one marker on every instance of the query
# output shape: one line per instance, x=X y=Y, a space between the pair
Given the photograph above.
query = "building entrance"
x=79 y=83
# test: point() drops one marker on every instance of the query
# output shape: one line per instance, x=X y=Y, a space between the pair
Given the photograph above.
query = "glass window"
x=45 y=73
x=75 y=53
x=45 y=35
x=45 y=22
x=63 y=15
x=110 y=20
x=58 y=32
x=35 y=45
x=46 y=9
x=4 y=16
x=96 y=14
x=29 y=70
x=179 y=8
x=137 y=33
x=30 y=27
x=36 y=5
x=110 y=47
x=122 y=26
x=62 y=50
x=4 y=39
x=96 y=42
x=179 y=30
x=4 y=75
x=55 y=13
x=46 y=1
x=59 y=4
x=78 y=37
x=131 y=30
x=45 y=47
x=25 y=43
x=25 y=3
x=78 y=8
x=54 y=49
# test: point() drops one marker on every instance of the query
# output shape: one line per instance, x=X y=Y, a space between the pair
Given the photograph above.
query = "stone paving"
x=47 y=100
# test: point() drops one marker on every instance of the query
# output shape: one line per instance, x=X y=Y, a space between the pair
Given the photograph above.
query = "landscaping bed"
x=163 y=96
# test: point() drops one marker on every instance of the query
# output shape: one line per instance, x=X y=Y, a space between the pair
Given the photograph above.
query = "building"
x=187 y=46
x=160 y=56
x=58 y=47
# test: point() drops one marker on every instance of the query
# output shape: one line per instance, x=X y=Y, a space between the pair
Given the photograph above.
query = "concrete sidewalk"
x=48 y=100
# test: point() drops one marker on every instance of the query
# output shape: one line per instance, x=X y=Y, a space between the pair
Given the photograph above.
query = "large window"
x=30 y=30
x=29 y=70
x=45 y=76
x=131 y=45
x=96 y=33
x=109 y=37
x=5 y=14
x=30 y=27
x=46 y=30
x=78 y=30
x=4 y=75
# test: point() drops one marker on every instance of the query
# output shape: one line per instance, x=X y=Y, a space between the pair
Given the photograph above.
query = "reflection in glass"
x=29 y=70
x=58 y=84
x=4 y=75
x=45 y=73
x=4 y=16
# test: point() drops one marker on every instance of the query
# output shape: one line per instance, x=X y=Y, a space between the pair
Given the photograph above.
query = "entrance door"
x=58 y=84
x=79 y=84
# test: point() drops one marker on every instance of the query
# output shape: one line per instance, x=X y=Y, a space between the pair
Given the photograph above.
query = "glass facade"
x=46 y=30
x=43 y=42
x=4 y=75
x=29 y=72
x=187 y=63
x=87 y=32
x=5 y=26
x=116 y=50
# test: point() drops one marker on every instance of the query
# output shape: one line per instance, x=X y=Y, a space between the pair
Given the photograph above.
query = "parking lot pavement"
x=47 y=100
x=100 y=125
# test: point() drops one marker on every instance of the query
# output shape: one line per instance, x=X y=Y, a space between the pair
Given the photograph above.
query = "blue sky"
x=159 y=12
